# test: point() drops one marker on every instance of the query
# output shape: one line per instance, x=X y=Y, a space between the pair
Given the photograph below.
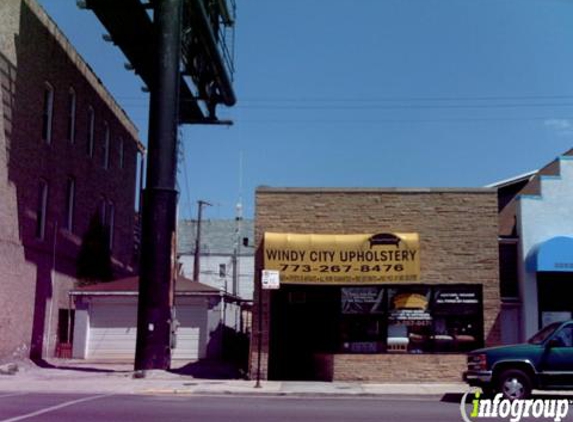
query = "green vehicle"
x=545 y=362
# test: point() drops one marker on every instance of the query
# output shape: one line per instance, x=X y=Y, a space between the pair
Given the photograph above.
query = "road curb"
x=297 y=394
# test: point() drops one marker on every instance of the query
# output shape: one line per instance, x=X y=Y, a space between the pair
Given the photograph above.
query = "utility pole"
x=197 y=256
x=169 y=50
x=160 y=196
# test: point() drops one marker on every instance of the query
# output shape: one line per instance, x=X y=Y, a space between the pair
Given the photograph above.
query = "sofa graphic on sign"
x=385 y=239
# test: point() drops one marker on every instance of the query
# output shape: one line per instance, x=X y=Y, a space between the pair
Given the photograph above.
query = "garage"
x=192 y=333
x=106 y=320
x=112 y=330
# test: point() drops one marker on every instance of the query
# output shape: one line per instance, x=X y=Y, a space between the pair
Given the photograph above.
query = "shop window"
x=222 y=270
x=411 y=319
x=554 y=291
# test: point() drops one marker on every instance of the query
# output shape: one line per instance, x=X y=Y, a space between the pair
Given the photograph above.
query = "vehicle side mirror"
x=554 y=342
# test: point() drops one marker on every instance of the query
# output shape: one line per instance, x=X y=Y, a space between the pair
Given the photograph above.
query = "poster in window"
x=456 y=301
x=409 y=307
x=362 y=300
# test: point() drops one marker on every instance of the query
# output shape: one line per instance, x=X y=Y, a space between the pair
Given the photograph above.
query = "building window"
x=121 y=153
x=102 y=210
x=70 y=204
x=91 y=132
x=106 y=145
x=107 y=218
x=110 y=223
x=47 y=113
x=222 y=270
x=508 y=274
x=42 y=210
x=71 y=115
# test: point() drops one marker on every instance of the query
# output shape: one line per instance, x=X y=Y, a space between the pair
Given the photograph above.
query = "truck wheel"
x=514 y=384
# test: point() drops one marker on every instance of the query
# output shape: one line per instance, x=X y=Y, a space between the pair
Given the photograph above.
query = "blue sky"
x=371 y=93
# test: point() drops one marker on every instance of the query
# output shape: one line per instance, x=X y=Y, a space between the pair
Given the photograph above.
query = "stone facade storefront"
x=458 y=248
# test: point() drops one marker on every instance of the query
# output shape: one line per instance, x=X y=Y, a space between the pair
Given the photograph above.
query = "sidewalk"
x=68 y=376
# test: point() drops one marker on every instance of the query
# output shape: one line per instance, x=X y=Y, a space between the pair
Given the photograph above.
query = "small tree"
x=94 y=259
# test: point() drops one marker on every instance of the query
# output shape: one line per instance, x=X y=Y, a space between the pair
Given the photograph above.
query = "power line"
x=525 y=97
x=384 y=121
x=415 y=98
x=402 y=106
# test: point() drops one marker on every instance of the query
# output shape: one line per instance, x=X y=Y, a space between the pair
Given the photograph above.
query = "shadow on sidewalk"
x=210 y=369
x=41 y=363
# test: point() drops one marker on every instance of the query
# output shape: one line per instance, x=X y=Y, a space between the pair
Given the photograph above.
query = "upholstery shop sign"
x=343 y=259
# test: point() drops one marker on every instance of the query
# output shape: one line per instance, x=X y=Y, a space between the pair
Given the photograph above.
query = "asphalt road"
x=32 y=407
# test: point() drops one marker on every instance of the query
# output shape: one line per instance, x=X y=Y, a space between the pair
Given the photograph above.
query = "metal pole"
x=259 y=334
x=197 y=255
x=160 y=196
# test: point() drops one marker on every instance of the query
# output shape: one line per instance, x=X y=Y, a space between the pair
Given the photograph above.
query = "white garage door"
x=192 y=333
x=112 y=331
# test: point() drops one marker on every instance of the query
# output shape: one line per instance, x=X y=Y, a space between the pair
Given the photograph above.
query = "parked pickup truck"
x=545 y=362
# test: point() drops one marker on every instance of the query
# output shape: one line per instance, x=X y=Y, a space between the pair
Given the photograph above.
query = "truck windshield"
x=545 y=332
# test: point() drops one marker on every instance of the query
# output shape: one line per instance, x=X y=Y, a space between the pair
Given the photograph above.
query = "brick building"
x=68 y=152
x=376 y=284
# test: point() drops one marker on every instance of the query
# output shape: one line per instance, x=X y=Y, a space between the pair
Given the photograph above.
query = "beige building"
x=376 y=284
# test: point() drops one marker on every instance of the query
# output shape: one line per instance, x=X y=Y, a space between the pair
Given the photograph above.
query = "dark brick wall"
x=458 y=232
x=34 y=52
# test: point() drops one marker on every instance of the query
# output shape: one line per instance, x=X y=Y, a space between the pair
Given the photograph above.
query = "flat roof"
x=310 y=190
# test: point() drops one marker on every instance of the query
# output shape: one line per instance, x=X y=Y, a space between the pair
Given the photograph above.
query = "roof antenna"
x=239 y=208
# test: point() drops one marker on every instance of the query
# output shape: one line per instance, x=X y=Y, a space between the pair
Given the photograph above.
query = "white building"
x=536 y=248
x=226 y=255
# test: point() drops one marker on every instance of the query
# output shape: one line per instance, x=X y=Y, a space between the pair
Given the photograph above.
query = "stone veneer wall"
x=458 y=231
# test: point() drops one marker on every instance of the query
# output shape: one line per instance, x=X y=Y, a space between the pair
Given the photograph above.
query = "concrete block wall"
x=458 y=231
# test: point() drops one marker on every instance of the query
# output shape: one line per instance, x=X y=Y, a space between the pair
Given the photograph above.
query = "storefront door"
x=555 y=290
x=304 y=323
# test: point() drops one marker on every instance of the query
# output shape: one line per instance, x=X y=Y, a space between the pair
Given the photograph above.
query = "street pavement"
x=73 y=376
x=68 y=407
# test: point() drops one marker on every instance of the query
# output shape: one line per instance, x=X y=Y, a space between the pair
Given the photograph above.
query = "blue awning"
x=556 y=255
